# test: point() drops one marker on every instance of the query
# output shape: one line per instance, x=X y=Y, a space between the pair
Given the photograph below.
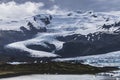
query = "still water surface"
x=62 y=77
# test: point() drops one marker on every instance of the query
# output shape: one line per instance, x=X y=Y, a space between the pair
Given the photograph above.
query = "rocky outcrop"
x=32 y=29
x=116 y=24
x=45 y=19
x=49 y=48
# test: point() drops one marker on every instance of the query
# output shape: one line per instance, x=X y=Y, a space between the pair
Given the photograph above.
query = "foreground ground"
x=8 y=70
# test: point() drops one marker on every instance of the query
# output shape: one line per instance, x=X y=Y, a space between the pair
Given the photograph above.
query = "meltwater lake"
x=62 y=77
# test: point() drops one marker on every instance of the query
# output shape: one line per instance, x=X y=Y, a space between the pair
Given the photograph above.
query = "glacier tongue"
x=43 y=37
x=109 y=59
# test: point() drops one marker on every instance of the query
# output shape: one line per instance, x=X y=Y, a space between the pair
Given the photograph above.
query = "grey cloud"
x=96 y=5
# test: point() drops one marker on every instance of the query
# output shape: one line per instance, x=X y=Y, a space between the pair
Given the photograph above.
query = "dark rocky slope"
x=92 y=44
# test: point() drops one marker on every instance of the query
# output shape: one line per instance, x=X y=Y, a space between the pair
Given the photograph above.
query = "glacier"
x=70 y=23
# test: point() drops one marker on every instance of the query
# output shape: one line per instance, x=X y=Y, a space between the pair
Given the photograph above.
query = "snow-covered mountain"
x=72 y=34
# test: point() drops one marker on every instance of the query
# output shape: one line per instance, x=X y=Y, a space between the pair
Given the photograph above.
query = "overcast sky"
x=96 y=5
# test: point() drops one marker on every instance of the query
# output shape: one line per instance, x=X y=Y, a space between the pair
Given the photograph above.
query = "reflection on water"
x=63 y=77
